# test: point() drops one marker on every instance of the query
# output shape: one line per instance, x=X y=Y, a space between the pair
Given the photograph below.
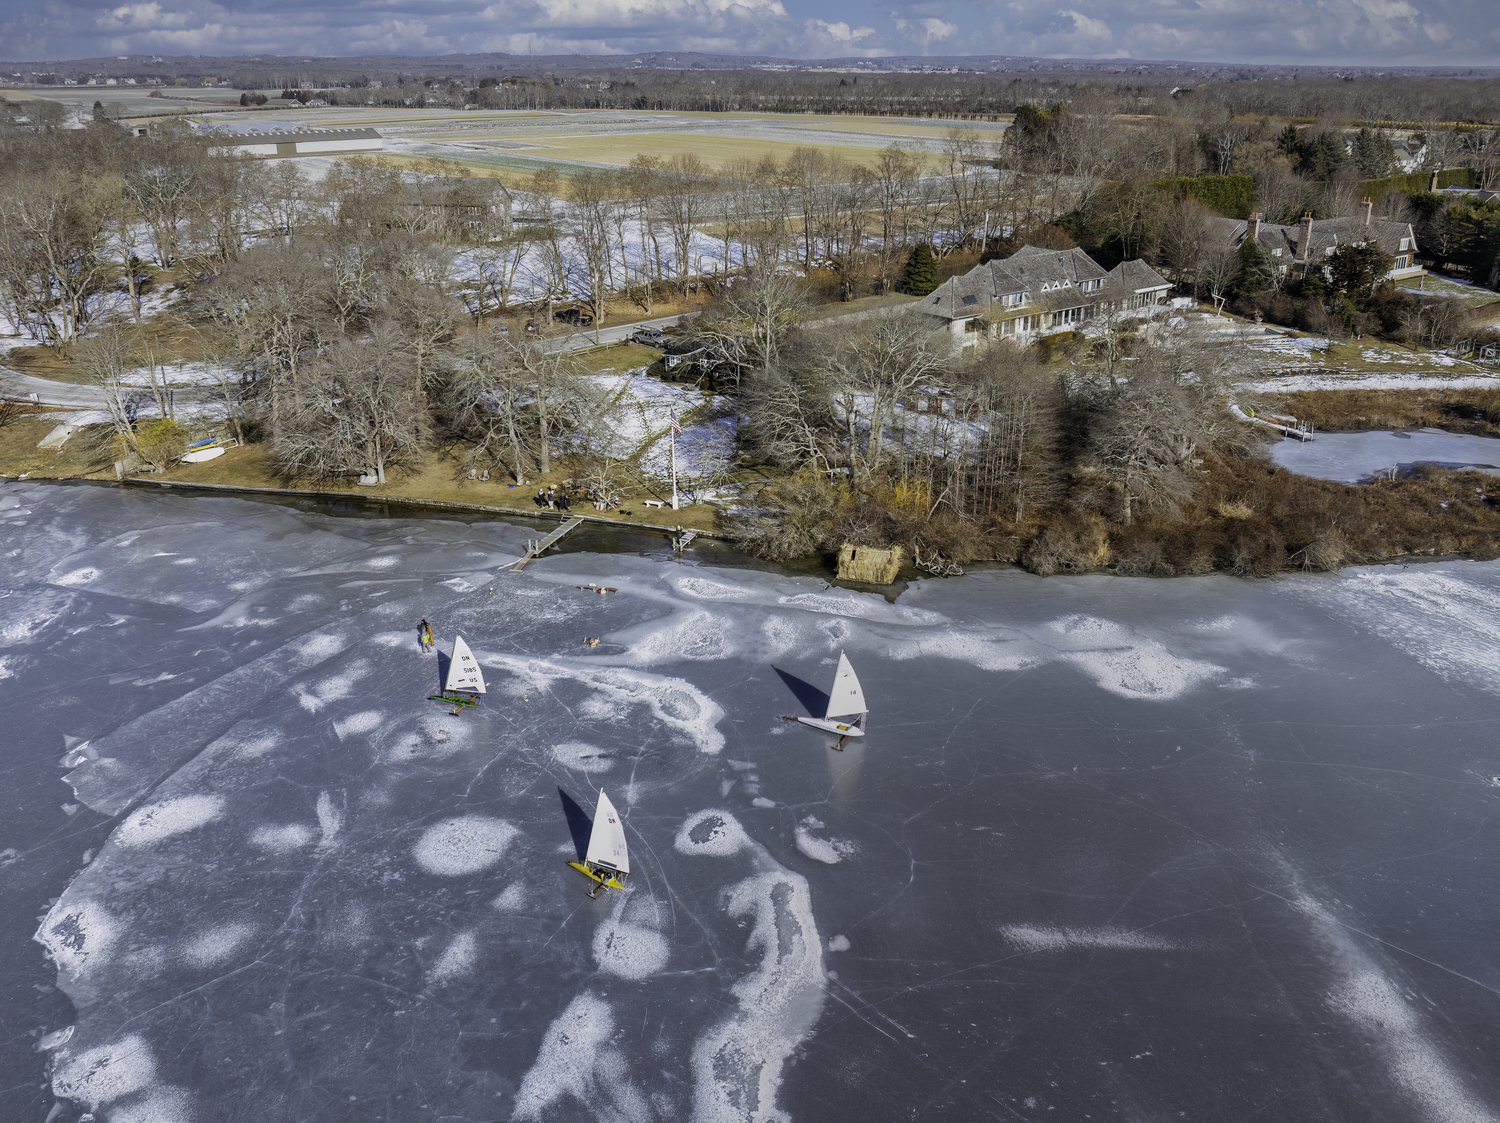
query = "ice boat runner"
x=846 y=699
x=465 y=681
x=606 y=861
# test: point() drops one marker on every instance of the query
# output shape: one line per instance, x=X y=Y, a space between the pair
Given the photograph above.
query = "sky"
x=1339 y=32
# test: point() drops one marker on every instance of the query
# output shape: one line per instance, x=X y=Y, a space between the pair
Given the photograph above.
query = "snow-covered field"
x=1206 y=847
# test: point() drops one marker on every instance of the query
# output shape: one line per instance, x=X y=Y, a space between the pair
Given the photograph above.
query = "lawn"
x=1475 y=296
x=716 y=151
x=434 y=479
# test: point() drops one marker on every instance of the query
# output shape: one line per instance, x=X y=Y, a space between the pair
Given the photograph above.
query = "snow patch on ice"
x=1125 y=663
x=162 y=1105
x=1033 y=937
x=367 y=721
x=576 y=1061
x=218 y=945
x=628 y=950
x=674 y=702
x=330 y=817
x=149 y=825
x=715 y=834
x=739 y=1061
x=463 y=845
x=312 y=697
x=283 y=838
x=1381 y=1007
x=511 y=899
x=829 y=850
x=457 y=960
x=78 y=577
x=80 y=935
x=582 y=757
x=99 y=1076
x=1446 y=620
x=25 y=616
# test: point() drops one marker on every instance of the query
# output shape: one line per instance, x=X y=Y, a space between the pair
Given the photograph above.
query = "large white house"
x=1037 y=292
x=1296 y=250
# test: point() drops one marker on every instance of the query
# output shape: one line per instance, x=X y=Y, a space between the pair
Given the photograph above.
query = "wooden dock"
x=547 y=543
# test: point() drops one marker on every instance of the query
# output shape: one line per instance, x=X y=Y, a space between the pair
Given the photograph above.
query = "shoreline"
x=411 y=501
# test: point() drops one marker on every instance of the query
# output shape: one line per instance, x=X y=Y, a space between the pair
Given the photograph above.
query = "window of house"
x=1015 y=299
x=973 y=325
x=1089 y=286
x=1406 y=243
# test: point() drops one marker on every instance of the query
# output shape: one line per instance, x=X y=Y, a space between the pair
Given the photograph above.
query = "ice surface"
x=1113 y=849
x=1356 y=457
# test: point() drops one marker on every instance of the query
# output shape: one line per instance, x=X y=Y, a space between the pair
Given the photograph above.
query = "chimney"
x=1368 y=207
x=1304 y=237
x=1252 y=229
x=1432 y=182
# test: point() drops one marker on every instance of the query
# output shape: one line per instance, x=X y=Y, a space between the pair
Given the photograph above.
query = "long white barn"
x=309 y=142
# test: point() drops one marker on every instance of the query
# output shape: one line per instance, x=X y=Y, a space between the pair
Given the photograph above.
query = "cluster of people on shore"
x=554 y=499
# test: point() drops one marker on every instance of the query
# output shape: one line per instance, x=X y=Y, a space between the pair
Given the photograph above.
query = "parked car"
x=649 y=337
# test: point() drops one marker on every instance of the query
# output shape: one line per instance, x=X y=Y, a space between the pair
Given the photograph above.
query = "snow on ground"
x=1358 y=380
x=642 y=425
x=181 y=374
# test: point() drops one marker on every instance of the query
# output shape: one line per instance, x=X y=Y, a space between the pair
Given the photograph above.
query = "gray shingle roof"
x=1051 y=279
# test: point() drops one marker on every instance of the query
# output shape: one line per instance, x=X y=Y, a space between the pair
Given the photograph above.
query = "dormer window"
x=1089 y=286
x=1406 y=243
x=1015 y=299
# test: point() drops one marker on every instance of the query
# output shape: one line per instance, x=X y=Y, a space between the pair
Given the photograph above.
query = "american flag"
x=676 y=428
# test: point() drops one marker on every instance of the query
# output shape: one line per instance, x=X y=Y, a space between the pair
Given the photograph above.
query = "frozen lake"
x=1356 y=457
x=1113 y=849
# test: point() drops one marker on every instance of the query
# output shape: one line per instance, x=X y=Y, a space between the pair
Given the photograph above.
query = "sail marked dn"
x=464 y=675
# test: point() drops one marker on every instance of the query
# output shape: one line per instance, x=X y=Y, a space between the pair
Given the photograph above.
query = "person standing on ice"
x=424 y=635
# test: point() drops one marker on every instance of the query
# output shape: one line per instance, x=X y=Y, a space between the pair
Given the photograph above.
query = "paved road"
x=607 y=334
x=17 y=385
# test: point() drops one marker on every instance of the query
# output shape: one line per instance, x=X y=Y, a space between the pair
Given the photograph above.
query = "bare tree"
x=747 y=325
x=358 y=407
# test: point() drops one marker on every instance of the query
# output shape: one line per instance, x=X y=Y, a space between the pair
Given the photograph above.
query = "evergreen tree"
x=1257 y=271
x=1373 y=153
x=1324 y=156
x=1474 y=240
x=920 y=277
x=1357 y=268
x=1291 y=145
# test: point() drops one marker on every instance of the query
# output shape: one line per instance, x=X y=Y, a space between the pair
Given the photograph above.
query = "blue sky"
x=1347 y=32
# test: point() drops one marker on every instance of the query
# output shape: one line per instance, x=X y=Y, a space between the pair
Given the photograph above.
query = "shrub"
x=1072 y=542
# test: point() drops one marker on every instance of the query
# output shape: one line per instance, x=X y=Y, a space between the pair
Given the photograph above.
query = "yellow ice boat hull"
x=605 y=878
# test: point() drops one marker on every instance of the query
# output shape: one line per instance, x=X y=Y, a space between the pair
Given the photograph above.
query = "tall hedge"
x=1230 y=195
x=1417 y=182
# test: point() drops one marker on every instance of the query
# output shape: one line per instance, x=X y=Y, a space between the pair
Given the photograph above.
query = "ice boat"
x=465 y=681
x=606 y=861
x=846 y=700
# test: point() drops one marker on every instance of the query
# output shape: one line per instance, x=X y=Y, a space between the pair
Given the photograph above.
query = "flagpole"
x=674 y=461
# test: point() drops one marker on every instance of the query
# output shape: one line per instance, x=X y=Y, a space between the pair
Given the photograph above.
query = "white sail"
x=607 y=839
x=464 y=674
x=847 y=697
